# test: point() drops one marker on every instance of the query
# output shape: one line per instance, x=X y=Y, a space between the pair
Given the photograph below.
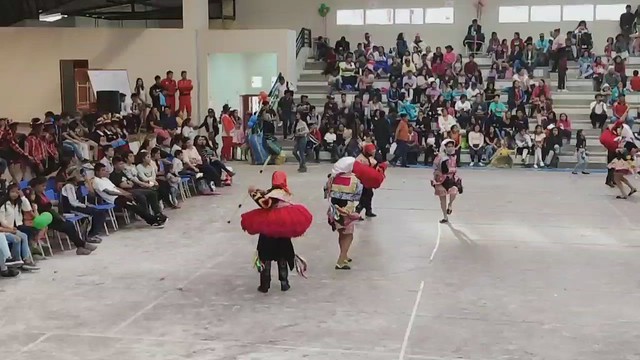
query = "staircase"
x=575 y=103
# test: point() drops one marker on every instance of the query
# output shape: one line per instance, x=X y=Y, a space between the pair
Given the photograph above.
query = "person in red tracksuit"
x=185 y=87
x=170 y=86
x=228 y=126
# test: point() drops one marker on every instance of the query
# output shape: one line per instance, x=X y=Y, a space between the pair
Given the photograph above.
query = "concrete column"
x=195 y=14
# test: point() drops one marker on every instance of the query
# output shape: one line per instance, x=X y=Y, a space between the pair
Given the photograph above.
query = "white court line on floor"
x=433 y=253
x=38 y=341
x=163 y=296
x=407 y=333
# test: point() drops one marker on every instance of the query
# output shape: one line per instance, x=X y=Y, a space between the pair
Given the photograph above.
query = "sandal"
x=343 y=267
x=633 y=191
x=449 y=211
x=444 y=221
x=621 y=197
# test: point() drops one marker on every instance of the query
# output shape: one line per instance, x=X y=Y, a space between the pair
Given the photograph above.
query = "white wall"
x=32 y=65
x=230 y=77
x=295 y=14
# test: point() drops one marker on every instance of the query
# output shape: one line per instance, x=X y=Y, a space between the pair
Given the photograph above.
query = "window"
x=513 y=14
x=578 y=13
x=443 y=15
x=546 y=13
x=256 y=81
x=410 y=16
x=379 y=16
x=350 y=17
x=610 y=12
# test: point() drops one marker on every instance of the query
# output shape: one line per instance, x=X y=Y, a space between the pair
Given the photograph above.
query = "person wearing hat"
x=402 y=140
x=36 y=147
x=367 y=157
x=10 y=150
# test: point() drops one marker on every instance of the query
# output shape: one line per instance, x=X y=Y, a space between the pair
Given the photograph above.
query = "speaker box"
x=108 y=101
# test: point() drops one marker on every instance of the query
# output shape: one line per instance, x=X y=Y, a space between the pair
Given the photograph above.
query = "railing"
x=303 y=40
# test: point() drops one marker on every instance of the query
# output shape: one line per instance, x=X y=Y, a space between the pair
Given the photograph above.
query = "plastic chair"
x=24 y=184
x=51 y=194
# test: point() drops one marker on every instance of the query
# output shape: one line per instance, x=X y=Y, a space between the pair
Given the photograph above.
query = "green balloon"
x=323 y=10
x=42 y=221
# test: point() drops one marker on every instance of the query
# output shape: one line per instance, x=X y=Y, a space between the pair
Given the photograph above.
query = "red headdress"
x=369 y=149
x=279 y=181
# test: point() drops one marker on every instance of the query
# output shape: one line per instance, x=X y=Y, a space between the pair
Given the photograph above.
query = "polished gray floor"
x=535 y=265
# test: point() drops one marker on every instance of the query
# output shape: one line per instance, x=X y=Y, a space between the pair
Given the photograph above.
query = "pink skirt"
x=621 y=166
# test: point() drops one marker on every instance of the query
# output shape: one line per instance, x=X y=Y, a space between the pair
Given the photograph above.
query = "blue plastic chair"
x=24 y=184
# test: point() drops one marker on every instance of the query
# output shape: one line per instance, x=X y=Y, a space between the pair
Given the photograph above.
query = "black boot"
x=265 y=278
x=283 y=274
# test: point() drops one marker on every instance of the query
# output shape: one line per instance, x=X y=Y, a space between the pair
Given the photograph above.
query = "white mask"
x=450 y=151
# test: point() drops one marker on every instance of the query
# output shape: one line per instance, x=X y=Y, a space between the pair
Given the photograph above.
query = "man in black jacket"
x=475 y=38
x=626 y=22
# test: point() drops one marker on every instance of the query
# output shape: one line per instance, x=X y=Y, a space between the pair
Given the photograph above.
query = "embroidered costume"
x=276 y=221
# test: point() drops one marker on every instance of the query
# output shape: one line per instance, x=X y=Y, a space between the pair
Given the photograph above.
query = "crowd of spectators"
x=443 y=94
x=86 y=169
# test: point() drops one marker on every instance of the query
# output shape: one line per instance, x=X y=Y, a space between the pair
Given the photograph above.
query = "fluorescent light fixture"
x=51 y=17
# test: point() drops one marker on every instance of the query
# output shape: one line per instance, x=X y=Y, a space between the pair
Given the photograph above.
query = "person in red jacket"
x=185 y=87
x=169 y=85
x=228 y=126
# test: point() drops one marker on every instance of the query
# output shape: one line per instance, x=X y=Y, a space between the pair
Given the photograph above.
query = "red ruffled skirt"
x=289 y=221
x=371 y=178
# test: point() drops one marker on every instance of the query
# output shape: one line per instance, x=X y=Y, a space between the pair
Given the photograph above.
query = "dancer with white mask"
x=445 y=179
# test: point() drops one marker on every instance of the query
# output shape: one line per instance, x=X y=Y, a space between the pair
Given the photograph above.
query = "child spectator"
x=581 y=153
x=523 y=145
x=173 y=179
x=538 y=143
x=635 y=81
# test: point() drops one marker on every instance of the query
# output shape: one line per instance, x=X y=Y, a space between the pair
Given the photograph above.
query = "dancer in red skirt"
x=276 y=221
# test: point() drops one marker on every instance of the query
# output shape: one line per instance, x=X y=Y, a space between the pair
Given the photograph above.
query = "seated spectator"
x=343 y=44
x=395 y=69
x=408 y=67
x=515 y=59
x=516 y=43
x=449 y=56
x=470 y=68
x=490 y=91
x=492 y=75
x=611 y=78
x=479 y=109
x=564 y=125
x=445 y=121
x=493 y=43
x=122 y=198
x=553 y=146
x=457 y=92
x=521 y=120
x=439 y=68
x=59 y=223
x=107 y=159
x=523 y=144
x=616 y=93
x=525 y=82
x=491 y=140
x=70 y=204
x=35 y=148
x=407 y=91
x=529 y=58
x=192 y=158
x=164 y=187
x=474 y=38
x=598 y=114
x=463 y=111
x=585 y=65
x=475 y=139
x=359 y=51
x=635 y=81
x=620 y=111
x=348 y=76
x=14 y=231
x=539 y=137
x=472 y=91
x=620 y=68
x=497 y=111
x=517 y=98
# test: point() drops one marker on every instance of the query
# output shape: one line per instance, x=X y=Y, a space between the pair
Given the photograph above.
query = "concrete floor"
x=536 y=265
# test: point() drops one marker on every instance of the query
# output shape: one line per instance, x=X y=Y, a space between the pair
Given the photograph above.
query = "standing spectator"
x=343 y=45
x=538 y=144
x=581 y=154
x=286 y=112
x=228 y=126
x=516 y=41
x=170 y=87
x=401 y=45
x=558 y=48
x=626 y=23
x=402 y=140
x=155 y=92
x=562 y=73
x=301 y=135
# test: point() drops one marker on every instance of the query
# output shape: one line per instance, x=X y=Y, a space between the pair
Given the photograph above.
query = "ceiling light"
x=51 y=17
